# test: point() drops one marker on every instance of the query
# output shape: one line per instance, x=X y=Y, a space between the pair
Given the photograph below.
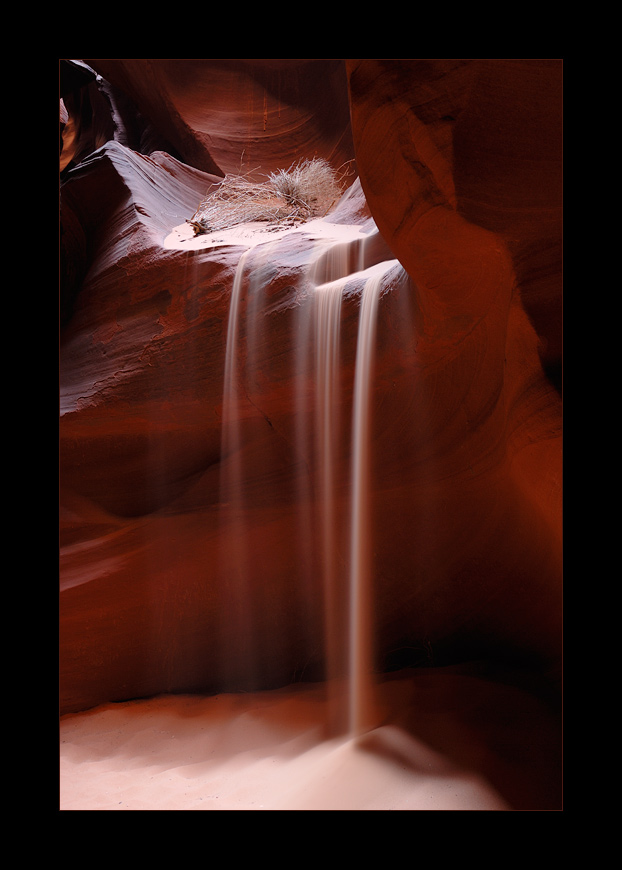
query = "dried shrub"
x=307 y=189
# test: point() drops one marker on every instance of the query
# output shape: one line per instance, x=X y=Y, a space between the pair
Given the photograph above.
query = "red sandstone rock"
x=222 y=115
x=466 y=441
x=469 y=138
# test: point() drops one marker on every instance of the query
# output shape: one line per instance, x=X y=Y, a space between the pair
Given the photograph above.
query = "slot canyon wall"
x=455 y=173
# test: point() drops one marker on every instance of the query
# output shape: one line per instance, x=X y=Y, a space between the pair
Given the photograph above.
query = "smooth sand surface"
x=446 y=740
x=249 y=235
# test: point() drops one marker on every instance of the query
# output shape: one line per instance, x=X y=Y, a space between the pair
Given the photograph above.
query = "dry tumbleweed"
x=307 y=189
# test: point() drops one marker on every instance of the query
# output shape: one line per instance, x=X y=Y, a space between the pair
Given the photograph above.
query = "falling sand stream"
x=348 y=629
x=360 y=709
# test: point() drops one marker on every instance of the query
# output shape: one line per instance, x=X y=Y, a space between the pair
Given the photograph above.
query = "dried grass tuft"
x=307 y=189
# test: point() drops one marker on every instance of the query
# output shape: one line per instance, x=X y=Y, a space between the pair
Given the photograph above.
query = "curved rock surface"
x=240 y=115
x=163 y=587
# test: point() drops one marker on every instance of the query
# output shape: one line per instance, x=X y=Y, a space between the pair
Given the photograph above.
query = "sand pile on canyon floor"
x=447 y=739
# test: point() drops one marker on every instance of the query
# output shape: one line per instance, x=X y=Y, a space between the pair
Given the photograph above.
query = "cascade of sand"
x=349 y=663
x=329 y=275
x=327 y=316
x=236 y=620
x=346 y=592
x=360 y=668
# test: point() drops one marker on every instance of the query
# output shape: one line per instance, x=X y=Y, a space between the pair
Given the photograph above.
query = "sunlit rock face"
x=195 y=561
